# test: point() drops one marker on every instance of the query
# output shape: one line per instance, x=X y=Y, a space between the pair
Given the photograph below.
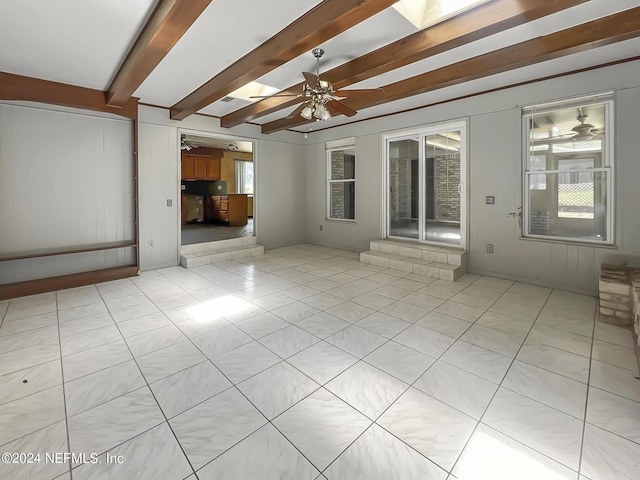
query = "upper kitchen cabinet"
x=188 y=167
x=212 y=168
x=201 y=164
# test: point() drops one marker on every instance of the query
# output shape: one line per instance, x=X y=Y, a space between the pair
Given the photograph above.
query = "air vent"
x=226 y=99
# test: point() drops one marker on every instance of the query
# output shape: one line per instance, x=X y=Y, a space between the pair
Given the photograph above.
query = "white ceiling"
x=82 y=42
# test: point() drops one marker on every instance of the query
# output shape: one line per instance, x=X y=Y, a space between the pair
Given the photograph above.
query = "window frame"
x=607 y=167
x=330 y=148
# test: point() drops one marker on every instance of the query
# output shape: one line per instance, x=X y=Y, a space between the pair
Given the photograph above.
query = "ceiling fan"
x=583 y=132
x=186 y=145
x=319 y=98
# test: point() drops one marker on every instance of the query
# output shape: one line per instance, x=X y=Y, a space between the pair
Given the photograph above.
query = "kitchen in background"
x=217 y=189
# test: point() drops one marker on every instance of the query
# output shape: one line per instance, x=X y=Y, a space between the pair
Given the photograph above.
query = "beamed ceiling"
x=188 y=55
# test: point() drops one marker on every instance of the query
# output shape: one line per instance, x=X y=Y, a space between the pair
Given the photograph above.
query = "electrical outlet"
x=321 y=227
x=151 y=244
x=489 y=247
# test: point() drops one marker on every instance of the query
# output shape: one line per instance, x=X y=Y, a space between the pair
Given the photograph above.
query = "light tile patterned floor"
x=305 y=364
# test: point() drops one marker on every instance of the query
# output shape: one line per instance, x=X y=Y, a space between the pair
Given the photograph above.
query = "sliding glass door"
x=426 y=173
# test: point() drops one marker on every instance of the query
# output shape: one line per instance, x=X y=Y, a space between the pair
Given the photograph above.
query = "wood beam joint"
x=18 y=87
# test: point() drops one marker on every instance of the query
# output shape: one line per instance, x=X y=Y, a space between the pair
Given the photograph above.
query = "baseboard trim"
x=43 y=285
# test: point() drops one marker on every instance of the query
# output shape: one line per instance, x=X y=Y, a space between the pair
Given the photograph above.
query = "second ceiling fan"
x=319 y=98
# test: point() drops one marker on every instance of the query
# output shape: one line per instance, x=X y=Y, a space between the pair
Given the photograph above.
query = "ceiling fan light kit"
x=318 y=96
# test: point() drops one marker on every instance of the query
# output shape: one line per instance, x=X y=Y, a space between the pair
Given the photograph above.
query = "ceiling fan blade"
x=276 y=95
x=297 y=111
x=563 y=136
x=364 y=92
x=342 y=108
x=312 y=79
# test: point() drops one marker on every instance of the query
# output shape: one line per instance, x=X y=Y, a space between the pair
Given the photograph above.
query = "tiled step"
x=216 y=255
x=437 y=262
x=218 y=245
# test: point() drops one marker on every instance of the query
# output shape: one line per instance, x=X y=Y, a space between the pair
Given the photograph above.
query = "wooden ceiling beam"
x=484 y=20
x=604 y=31
x=325 y=21
x=18 y=87
x=166 y=25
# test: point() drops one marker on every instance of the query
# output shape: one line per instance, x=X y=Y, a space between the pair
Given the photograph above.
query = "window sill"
x=567 y=242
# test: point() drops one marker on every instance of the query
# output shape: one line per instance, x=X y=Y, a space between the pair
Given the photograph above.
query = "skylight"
x=252 y=89
x=424 y=13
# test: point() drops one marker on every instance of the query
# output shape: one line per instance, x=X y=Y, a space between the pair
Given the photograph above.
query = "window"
x=341 y=175
x=244 y=177
x=568 y=170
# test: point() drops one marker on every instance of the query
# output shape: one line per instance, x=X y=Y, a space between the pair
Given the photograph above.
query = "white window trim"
x=608 y=100
x=339 y=145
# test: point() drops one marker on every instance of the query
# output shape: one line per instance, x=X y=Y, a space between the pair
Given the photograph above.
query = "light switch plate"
x=489 y=247
x=169 y=202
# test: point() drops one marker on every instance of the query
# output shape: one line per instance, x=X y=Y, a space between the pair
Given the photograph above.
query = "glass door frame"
x=423 y=132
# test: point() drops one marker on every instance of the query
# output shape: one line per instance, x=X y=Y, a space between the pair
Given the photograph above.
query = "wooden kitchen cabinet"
x=231 y=209
x=188 y=167
x=200 y=167
x=212 y=168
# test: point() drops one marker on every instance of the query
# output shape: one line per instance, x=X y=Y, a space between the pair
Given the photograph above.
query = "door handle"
x=459 y=189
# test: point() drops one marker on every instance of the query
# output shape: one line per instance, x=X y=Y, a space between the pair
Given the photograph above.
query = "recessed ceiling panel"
x=79 y=42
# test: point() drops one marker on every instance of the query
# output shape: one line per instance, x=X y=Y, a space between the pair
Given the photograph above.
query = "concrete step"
x=430 y=253
x=217 y=255
x=218 y=245
x=443 y=263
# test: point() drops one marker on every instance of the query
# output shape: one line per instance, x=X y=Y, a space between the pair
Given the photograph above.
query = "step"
x=431 y=253
x=218 y=245
x=207 y=257
x=443 y=271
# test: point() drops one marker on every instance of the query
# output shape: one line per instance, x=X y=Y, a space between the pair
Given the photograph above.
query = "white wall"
x=157 y=183
x=66 y=180
x=495 y=169
x=279 y=200
x=281 y=196
x=367 y=226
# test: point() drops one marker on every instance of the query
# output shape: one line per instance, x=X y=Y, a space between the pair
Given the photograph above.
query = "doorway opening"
x=426 y=173
x=217 y=186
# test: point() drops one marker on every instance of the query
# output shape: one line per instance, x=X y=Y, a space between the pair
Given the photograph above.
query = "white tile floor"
x=305 y=364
